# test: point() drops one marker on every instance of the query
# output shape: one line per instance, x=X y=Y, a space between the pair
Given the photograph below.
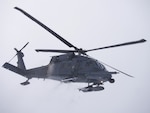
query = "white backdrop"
x=86 y=24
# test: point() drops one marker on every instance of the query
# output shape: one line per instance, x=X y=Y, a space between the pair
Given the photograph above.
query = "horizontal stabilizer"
x=14 y=69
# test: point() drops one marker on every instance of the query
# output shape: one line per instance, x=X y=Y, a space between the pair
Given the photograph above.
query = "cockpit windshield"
x=101 y=66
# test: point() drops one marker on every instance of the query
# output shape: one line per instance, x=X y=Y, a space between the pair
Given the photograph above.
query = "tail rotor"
x=18 y=51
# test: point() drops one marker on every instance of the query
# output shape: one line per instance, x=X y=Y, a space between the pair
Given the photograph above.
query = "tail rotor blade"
x=24 y=46
x=12 y=58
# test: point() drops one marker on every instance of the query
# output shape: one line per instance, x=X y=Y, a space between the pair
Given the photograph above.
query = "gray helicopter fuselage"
x=77 y=68
x=66 y=68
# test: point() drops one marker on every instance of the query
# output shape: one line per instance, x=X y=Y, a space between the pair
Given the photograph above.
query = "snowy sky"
x=87 y=24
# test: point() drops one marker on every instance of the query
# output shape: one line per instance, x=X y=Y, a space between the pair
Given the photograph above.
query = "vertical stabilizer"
x=20 y=62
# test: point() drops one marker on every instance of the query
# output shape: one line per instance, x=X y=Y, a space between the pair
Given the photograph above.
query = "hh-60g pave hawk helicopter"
x=72 y=66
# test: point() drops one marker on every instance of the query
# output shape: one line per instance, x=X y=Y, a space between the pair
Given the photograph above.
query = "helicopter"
x=71 y=66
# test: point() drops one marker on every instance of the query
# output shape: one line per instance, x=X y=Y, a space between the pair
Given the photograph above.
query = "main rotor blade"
x=118 y=45
x=116 y=69
x=52 y=50
x=46 y=28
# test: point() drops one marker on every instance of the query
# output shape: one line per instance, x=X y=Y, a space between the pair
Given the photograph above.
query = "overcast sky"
x=87 y=24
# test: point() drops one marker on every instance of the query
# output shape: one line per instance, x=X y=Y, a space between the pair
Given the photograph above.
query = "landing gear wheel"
x=111 y=80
